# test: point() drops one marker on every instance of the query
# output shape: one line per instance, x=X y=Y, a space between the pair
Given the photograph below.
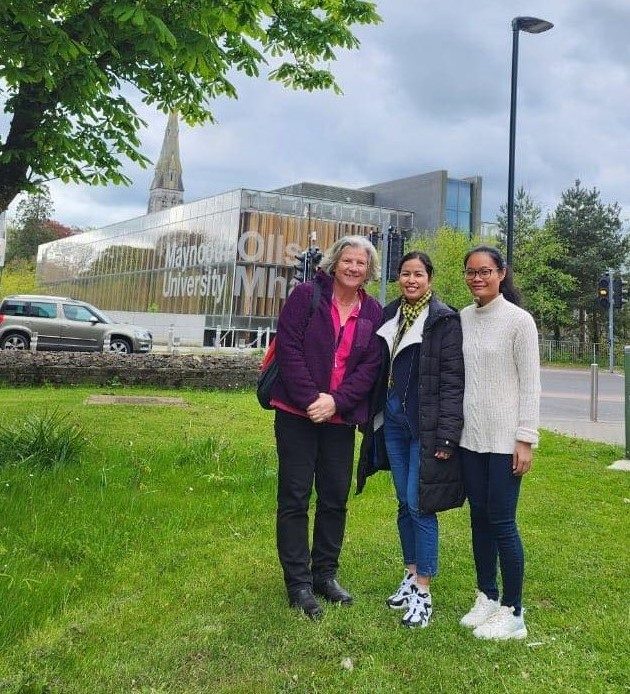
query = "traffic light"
x=301 y=267
x=617 y=292
x=603 y=291
x=396 y=250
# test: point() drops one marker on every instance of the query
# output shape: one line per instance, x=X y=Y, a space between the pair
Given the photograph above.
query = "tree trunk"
x=20 y=149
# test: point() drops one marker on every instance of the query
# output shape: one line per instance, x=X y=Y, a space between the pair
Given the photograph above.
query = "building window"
x=458 y=205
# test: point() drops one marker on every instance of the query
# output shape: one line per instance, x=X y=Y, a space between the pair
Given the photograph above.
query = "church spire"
x=167 y=189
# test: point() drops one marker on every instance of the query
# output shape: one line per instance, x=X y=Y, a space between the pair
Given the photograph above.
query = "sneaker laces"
x=500 y=614
x=403 y=589
x=480 y=602
x=419 y=602
x=408 y=579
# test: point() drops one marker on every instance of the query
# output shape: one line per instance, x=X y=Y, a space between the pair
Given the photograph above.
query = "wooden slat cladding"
x=268 y=244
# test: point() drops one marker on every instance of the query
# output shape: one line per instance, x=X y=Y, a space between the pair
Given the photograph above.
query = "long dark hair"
x=417 y=255
x=507 y=288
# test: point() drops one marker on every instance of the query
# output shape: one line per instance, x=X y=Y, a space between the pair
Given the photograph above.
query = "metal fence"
x=241 y=338
x=571 y=352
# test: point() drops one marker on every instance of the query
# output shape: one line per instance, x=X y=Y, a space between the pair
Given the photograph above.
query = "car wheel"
x=15 y=341
x=120 y=345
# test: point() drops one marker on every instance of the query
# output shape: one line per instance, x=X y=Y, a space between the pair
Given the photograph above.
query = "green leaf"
x=62 y=65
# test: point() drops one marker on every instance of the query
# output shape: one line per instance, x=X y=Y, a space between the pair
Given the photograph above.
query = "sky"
x=428 y=89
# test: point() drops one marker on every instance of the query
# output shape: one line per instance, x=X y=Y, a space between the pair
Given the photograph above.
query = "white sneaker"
x=502 y=625
x=420 y=608
x=399 y=599
x=480 y=612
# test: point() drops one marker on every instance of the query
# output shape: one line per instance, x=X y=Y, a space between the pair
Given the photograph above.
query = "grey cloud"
x=602 y=28
x=429 y=89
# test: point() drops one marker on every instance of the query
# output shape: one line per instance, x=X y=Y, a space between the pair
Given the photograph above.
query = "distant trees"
x=545 y=286
x=526 y=218
x=538 y=263
x=591 y=232
x=32 y=226
x=447 y=250
x=558 y=262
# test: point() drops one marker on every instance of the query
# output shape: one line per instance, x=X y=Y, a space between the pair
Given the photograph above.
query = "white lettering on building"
x=210 y=283
x=191 y=272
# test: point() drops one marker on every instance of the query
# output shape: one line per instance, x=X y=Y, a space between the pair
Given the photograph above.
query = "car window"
x=43 y=309
x=11 y=307
x=78 y=313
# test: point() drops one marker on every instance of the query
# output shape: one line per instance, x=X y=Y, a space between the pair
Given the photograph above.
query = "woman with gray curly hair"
x=328 y=358
x=333 y=254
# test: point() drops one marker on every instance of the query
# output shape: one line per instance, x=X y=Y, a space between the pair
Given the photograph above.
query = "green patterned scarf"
x=408 y=314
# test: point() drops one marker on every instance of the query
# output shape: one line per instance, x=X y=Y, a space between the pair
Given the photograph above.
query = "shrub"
x=17 y=277
x=47 y=440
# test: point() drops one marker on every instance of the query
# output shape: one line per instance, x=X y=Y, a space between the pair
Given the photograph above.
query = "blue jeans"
x=493 y=490
x=418 y=531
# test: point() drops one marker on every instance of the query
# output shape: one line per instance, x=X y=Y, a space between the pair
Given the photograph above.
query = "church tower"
x=167 y=189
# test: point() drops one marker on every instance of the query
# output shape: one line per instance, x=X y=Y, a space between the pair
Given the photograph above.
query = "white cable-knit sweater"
x=502 y=391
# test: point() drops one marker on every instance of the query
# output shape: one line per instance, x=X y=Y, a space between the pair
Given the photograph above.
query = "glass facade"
x=459 y=205
x=228 y=257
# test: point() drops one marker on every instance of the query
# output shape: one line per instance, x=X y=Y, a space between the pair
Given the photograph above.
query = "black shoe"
x=330 y=590
x=305 y=600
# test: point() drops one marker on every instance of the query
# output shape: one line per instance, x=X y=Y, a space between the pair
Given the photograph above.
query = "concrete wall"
x=424 y=195
x=189 y=327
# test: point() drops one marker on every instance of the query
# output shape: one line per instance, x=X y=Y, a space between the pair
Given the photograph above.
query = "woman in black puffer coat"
x=416 y=421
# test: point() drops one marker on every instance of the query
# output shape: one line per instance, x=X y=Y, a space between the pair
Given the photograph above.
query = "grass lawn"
x=151 y=567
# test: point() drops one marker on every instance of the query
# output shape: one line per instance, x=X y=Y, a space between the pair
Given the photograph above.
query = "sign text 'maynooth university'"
x=192 y=268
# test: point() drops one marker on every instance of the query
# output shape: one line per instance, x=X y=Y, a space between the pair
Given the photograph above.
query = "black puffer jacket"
x=440 y=396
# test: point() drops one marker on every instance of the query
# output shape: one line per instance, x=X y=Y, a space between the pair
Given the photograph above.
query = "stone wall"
x=223 y=371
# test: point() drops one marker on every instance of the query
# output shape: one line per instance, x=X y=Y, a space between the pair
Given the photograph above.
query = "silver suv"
x=65 y=324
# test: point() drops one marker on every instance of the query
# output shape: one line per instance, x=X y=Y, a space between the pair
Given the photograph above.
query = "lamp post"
x=532 y=25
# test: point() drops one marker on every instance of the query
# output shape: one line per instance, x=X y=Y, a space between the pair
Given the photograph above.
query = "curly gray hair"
x=332 y=255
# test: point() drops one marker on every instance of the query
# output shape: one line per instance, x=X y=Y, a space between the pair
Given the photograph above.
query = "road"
x=565 y=404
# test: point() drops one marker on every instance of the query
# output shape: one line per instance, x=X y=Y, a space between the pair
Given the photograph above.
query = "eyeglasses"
x=483 y=272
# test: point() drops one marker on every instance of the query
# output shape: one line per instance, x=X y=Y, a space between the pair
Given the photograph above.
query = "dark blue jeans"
x=493 y=490
x=418 y=531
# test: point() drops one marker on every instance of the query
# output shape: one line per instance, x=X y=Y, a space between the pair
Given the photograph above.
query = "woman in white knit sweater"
x=501 y=402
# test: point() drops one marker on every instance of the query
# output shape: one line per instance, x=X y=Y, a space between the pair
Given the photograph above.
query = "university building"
x=221 y=268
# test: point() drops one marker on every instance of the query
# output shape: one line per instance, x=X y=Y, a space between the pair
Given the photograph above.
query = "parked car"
x=61 y=323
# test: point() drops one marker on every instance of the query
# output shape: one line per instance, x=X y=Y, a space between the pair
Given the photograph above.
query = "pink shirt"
x=344 y=336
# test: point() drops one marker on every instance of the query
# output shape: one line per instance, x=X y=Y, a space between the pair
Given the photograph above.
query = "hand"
x=522 y=458
x=322 y=409
x=441 y=454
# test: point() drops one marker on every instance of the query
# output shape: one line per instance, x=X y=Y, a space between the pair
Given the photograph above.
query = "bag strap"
x=271 y=349
x=317 y=292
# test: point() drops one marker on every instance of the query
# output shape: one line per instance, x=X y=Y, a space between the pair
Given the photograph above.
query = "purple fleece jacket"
x=305 y=352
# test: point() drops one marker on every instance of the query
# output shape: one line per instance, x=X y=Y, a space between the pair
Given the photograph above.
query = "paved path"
x=565 y=404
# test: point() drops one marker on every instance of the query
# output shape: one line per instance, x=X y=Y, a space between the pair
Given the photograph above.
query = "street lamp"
x=532 y=25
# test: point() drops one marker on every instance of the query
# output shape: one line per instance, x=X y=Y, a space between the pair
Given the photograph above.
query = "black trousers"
x=307 y=453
